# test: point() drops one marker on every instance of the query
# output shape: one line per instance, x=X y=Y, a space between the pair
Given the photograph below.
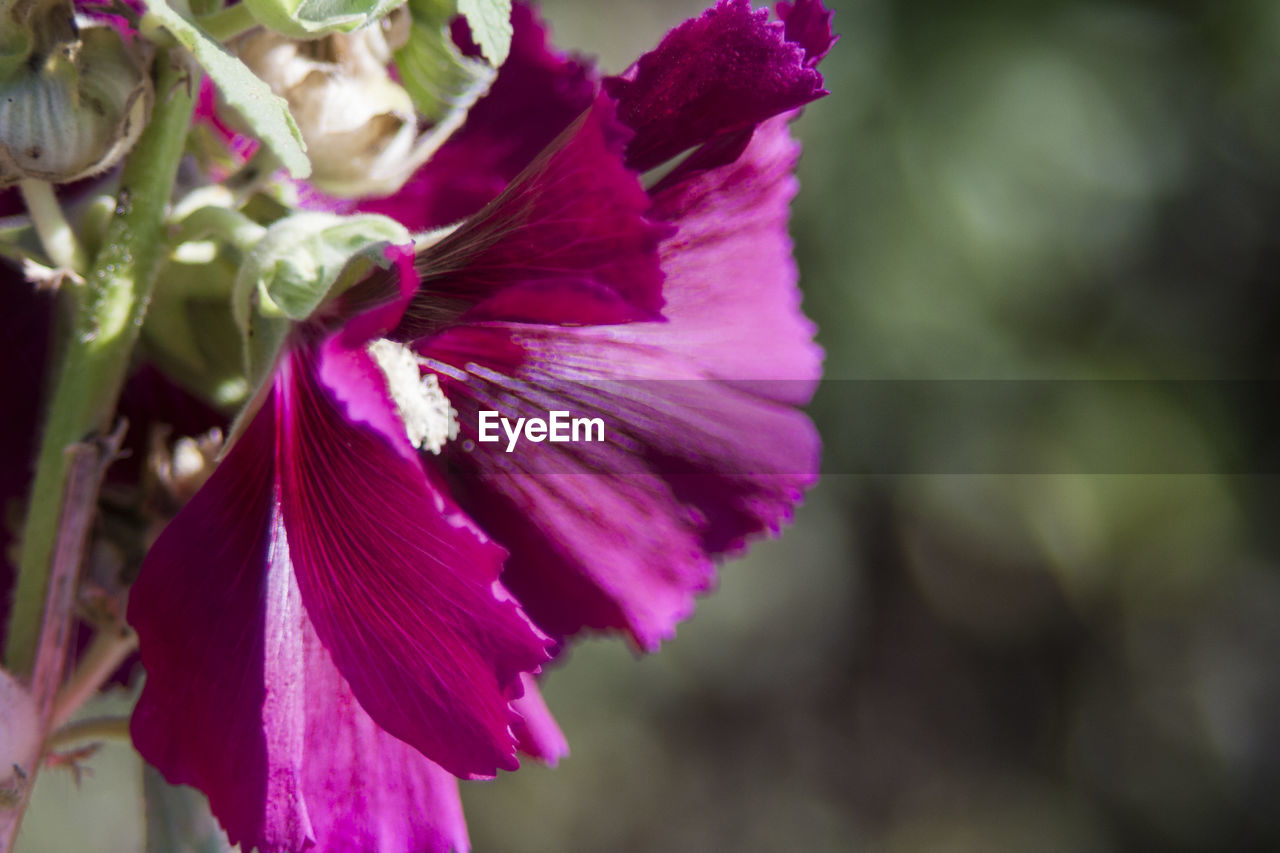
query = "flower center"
x=429 y=420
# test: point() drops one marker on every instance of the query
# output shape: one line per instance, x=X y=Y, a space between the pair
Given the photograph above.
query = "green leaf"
x=300 y=262
x=189 y=331
x=490 y=22
x=311 y=18
x=251 y=99
x=440 y=80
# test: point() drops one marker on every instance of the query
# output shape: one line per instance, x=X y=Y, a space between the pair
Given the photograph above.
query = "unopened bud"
x=360 y=126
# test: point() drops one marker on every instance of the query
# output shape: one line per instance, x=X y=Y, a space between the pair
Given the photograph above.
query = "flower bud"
x=360 y=126
x=76 y=104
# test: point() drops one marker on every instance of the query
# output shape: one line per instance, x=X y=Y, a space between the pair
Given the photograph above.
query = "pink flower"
x=338 y=625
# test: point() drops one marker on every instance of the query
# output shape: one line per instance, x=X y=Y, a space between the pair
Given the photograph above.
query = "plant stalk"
x=108 y=315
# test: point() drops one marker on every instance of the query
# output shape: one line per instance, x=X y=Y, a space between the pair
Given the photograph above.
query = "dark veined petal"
x=319 y=589
x=402 y=592
x=366 y=790
x=617 y=534
x=567 y=242
x=716 y=75
x=243 y=702
x=538 y=93
x=200 y=608
x=704 y=449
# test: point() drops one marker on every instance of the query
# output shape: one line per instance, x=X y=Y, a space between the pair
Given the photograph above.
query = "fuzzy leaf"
x=490 y=22
x=311 y=18
x=251 y=99
x=302 y=260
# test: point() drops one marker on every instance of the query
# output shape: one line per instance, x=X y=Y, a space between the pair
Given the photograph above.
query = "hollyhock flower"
x=338 y=624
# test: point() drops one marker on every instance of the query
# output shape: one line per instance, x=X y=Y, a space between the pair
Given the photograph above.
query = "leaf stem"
x=108 y=316
x=56 y=235
x=87 y=462
x=231 y=225
x=110 y=646
x=96 y=728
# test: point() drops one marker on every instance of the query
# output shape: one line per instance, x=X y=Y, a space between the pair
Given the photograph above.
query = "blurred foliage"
x=1068 y=662
x=1061 y=662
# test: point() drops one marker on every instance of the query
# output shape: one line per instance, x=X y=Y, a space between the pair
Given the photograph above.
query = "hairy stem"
x=108 y=315
x=87 y=462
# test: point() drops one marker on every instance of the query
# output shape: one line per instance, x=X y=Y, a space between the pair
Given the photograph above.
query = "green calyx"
x=441 y=81
x=302 y=262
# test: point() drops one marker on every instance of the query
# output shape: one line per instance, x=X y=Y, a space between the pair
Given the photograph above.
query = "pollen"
x=429 y=420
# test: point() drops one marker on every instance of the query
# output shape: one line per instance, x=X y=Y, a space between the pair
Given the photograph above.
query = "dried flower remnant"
x=359 y=125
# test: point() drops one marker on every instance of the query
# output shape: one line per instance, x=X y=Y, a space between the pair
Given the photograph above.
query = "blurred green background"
x=1071 y=662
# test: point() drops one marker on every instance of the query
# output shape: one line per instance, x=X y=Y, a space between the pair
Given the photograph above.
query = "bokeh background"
x=1074 y=657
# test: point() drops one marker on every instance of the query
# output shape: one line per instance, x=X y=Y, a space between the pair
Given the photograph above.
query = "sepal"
x=439 y=78
x=302 y=261
x=251 y=99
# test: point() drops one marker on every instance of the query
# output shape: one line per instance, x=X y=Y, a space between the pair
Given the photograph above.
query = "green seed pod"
x=77 y=102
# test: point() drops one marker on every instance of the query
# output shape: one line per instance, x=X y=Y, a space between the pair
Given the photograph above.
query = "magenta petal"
x=199 y=607
x=405 y=599
x=705 y=450
x=365 y=789
x=619 y=534
x=537 y=731
x=720 y=73
x=808 y=25
x=537 y=95
x=372 y=307
x=242 y=700
x=311 y=633
x=732 y=237
x=571 y=223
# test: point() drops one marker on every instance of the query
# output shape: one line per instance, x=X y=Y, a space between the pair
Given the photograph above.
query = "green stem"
x=56 y=234
x=110 y=646
x=231 y=225
x=92 y=369
x=98 y=728
x=225 y=24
